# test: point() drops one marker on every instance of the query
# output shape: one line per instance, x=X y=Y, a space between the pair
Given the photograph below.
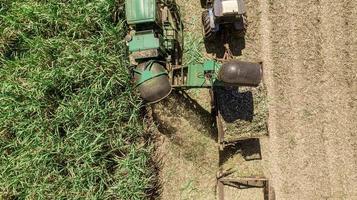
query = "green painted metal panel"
x=195 y=76
x=149 y=73
x=140 y=11
x=210 y=65
x=142 y=42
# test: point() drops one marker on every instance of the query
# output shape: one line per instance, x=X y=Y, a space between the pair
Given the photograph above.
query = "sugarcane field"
x=178 y=99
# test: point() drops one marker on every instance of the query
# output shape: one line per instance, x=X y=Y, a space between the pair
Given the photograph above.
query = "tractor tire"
x=208 y=32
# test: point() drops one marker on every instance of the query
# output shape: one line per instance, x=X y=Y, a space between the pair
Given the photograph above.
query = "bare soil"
x=309 y=51
x=187 y=148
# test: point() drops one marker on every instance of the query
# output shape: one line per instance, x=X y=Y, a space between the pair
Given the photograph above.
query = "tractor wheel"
x=203 y=3
x=207 y=29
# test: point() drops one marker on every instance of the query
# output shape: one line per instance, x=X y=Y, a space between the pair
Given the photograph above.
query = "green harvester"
x=155 y=40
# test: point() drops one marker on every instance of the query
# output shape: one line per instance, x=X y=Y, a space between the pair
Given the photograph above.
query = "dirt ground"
x=309 y=52
x=187 y=147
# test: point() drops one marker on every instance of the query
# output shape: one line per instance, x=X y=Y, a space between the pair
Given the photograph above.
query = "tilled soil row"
x=309 y=51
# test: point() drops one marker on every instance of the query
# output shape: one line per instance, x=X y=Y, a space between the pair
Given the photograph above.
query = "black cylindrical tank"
x=238 y=73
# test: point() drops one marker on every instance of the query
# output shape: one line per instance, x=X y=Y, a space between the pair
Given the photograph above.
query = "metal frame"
x=222 y=180
x=219 y=124
x=242 y=183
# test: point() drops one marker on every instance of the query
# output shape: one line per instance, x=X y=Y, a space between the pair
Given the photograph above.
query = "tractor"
x=155 y=41
x=220 y=14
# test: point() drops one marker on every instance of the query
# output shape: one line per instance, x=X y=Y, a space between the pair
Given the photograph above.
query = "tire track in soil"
x=312 y=126
x=337 y=96
x=266 y=56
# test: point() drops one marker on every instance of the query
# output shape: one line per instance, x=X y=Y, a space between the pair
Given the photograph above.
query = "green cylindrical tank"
x=152 y=81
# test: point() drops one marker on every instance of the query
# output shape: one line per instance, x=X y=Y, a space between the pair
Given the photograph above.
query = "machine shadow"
x=249 y=149
x=162 y=126
x=234 y=105
x=184 y=106
x=235 y=42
